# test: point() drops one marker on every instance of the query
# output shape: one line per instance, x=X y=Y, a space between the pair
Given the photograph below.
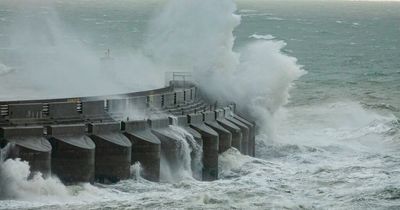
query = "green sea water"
x=351 y=50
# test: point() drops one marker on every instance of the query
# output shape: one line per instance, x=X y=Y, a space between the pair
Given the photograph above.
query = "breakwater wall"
x=88 y=139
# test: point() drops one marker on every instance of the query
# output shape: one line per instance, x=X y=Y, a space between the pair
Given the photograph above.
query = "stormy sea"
x=321 y=79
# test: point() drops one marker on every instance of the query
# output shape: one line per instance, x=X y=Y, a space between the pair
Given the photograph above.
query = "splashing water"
x=256 y=77
x=195 y=151
x=16 y=183
x=182 y=168
x=136 y=169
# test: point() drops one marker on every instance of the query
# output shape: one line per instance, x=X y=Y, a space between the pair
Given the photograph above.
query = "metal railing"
x=178 y=79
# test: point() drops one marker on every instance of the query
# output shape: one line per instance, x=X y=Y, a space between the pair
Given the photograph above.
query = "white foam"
x=275 y=18
x=266 y=37
x=136 y=170
x=182 y=168
x=346 y=124
x=16 y=184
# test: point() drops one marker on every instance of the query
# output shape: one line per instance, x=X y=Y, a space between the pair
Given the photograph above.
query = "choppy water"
x=335 y=145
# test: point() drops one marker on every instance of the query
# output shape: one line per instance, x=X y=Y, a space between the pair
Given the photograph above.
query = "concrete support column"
x=225 y=136
x=235 y=130
x=252 y=134
x=170 y=144
x=180 y=97
x=113 y=152
x=210 y=146
x=245 y=130
x=73 y=155
x=30 y=145
x=146 y=148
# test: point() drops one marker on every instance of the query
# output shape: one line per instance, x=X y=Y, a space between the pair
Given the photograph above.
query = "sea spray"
x=195 y=147
x=186 y=160
x=193 y=35
x=198 y=36
x=136 y=169
x=16 y=183
x=181 y=168
x=346 y=124
x=44 y=48
x=196 y=151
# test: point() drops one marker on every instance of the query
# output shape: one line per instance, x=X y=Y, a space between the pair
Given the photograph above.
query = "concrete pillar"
x=169 y=143
x=145 y=148
x=182 y=121
x=29 y=145
x=138 y=104
x=180 y=97
x=210 y=146
x=225 y=137
x=245 y=130
x=187 y=95
x=193 y=93
x=117 y=106
x=155 y=101
x=168 y=99
x=235 y=130
x=73 y=155
x=113 y=152
x=252 y=134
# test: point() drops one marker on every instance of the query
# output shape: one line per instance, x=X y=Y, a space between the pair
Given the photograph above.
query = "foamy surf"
x=266 y=37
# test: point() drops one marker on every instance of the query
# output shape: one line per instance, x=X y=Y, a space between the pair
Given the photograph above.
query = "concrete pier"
x=210 y=146
x=30 y=145
x=234 y=129
x=113 y=152
x=73 y=155
x=245 y=130
x=252 y=135
x=146 y=148
x=106 y=148
x=225 y=136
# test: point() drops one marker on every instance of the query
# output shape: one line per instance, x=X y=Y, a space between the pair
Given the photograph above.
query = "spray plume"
x=197 y=36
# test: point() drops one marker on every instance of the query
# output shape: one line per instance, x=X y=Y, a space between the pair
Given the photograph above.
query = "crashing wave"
x=266 y=37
